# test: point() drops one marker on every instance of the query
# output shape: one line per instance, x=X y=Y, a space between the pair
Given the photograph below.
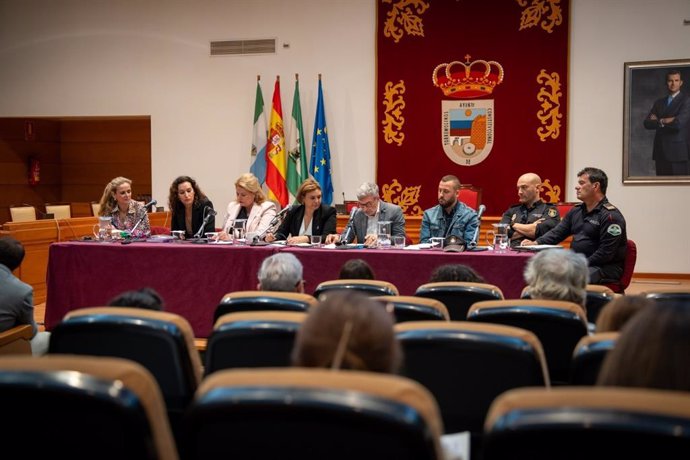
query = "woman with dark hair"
x=188 y=207
x=455 y=272
x=356 y=269
x=348 y=330
x=311 y=217
x=146 y=297
x=652 y=350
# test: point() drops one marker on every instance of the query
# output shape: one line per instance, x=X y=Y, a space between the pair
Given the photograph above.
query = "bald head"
x=528 y=187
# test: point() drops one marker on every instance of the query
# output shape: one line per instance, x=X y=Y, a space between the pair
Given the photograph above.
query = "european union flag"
x=320 y=166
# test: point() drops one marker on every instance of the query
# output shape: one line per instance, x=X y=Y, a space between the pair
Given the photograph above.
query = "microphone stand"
x=348 y=228
x=277 y=219
x=151 y=203
x=473 y=244
x=208 y=213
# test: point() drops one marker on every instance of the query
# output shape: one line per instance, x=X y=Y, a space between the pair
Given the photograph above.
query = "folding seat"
x=311 y=414
x=83 y=407
x=263 y=300
x=588 y=356
x=575 y=423
x=466 y=365
x=22 y=213
x=16 y=340
x=412 y=308
x=161 y=342
x=458 y=296
x=670 y=294
x=559 y=325
x=59 y=210
x=368 y=287
x=252 y=339
x=597 y=296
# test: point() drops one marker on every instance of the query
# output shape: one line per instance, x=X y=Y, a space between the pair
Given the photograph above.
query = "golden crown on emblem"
x=468 y=80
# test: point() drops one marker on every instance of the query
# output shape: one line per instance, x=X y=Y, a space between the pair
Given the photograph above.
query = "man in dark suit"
x=364 y=223
x=669 y=116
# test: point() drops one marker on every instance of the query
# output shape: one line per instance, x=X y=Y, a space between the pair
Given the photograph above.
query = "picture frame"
x=645 y=83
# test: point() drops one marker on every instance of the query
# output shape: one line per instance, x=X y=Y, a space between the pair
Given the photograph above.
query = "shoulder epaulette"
x=609 y=206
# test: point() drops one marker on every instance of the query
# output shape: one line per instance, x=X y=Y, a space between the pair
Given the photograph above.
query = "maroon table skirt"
x=193 y=278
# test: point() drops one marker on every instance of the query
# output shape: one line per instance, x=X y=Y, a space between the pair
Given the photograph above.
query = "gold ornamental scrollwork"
x=553 y=192
x=550 y=98
x=402 y=18
x=405 y=197
x=547 y=13
x=393 y=120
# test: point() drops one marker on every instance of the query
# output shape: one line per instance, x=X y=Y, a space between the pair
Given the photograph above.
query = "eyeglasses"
x=369 y=204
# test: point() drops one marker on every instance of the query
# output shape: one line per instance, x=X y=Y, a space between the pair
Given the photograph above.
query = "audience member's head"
x=455 y=272
x=281 y=272
x=146 y=298
x=11 y=252
x=618 y=311
x=652 y=350
x=348 y=330
x=356 y=269
x=558 y=274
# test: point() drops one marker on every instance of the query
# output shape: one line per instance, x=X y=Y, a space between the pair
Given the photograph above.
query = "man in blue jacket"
x=450 y=216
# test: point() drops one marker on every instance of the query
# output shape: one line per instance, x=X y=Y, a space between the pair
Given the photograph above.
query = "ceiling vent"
x=243 y=47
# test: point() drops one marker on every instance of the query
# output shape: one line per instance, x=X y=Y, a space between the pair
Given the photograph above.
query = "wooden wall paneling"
x=106 y=129
x=17 y=144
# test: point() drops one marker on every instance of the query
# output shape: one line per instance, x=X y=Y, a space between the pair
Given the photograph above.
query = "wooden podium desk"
x=37 y=235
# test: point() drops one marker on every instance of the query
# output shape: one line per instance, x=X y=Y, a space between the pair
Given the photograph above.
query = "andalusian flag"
x=297 y=171
x=320 y=166
x=258 y=165
x=276 y=156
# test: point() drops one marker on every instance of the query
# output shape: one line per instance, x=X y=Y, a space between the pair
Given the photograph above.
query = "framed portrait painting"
x=656 y=128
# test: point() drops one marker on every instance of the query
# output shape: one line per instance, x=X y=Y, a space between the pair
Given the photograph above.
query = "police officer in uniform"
x=597 y=226
x=532 y=217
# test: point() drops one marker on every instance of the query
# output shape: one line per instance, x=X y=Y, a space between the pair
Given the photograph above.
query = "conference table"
x=193 y=278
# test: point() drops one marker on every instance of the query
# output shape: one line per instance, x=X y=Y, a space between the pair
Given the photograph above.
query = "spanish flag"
x=276 y=166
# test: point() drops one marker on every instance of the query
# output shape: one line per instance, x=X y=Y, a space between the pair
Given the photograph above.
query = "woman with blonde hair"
x=126 y=214
x=311 y=217
x=250 y=204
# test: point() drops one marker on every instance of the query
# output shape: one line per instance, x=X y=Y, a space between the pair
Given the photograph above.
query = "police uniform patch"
x=553 y=212
x=614 y=229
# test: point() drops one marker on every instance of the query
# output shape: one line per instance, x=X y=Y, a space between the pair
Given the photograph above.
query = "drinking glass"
x=399 y=242
x=315 y=240
x=437 y=243
x=384 y=234
x=500 y=243
x=239 y=232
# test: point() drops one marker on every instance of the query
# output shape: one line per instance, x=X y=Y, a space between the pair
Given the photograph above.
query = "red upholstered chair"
x=565 y=206
x=159 y=230
x=471 y=196
x=628 y=269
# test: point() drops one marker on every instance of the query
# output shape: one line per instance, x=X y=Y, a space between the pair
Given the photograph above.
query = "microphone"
x=348 y=228
x=149 y=204
x=276 y=219
x=208 y=213
x=141 y=218
x=473 y=243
